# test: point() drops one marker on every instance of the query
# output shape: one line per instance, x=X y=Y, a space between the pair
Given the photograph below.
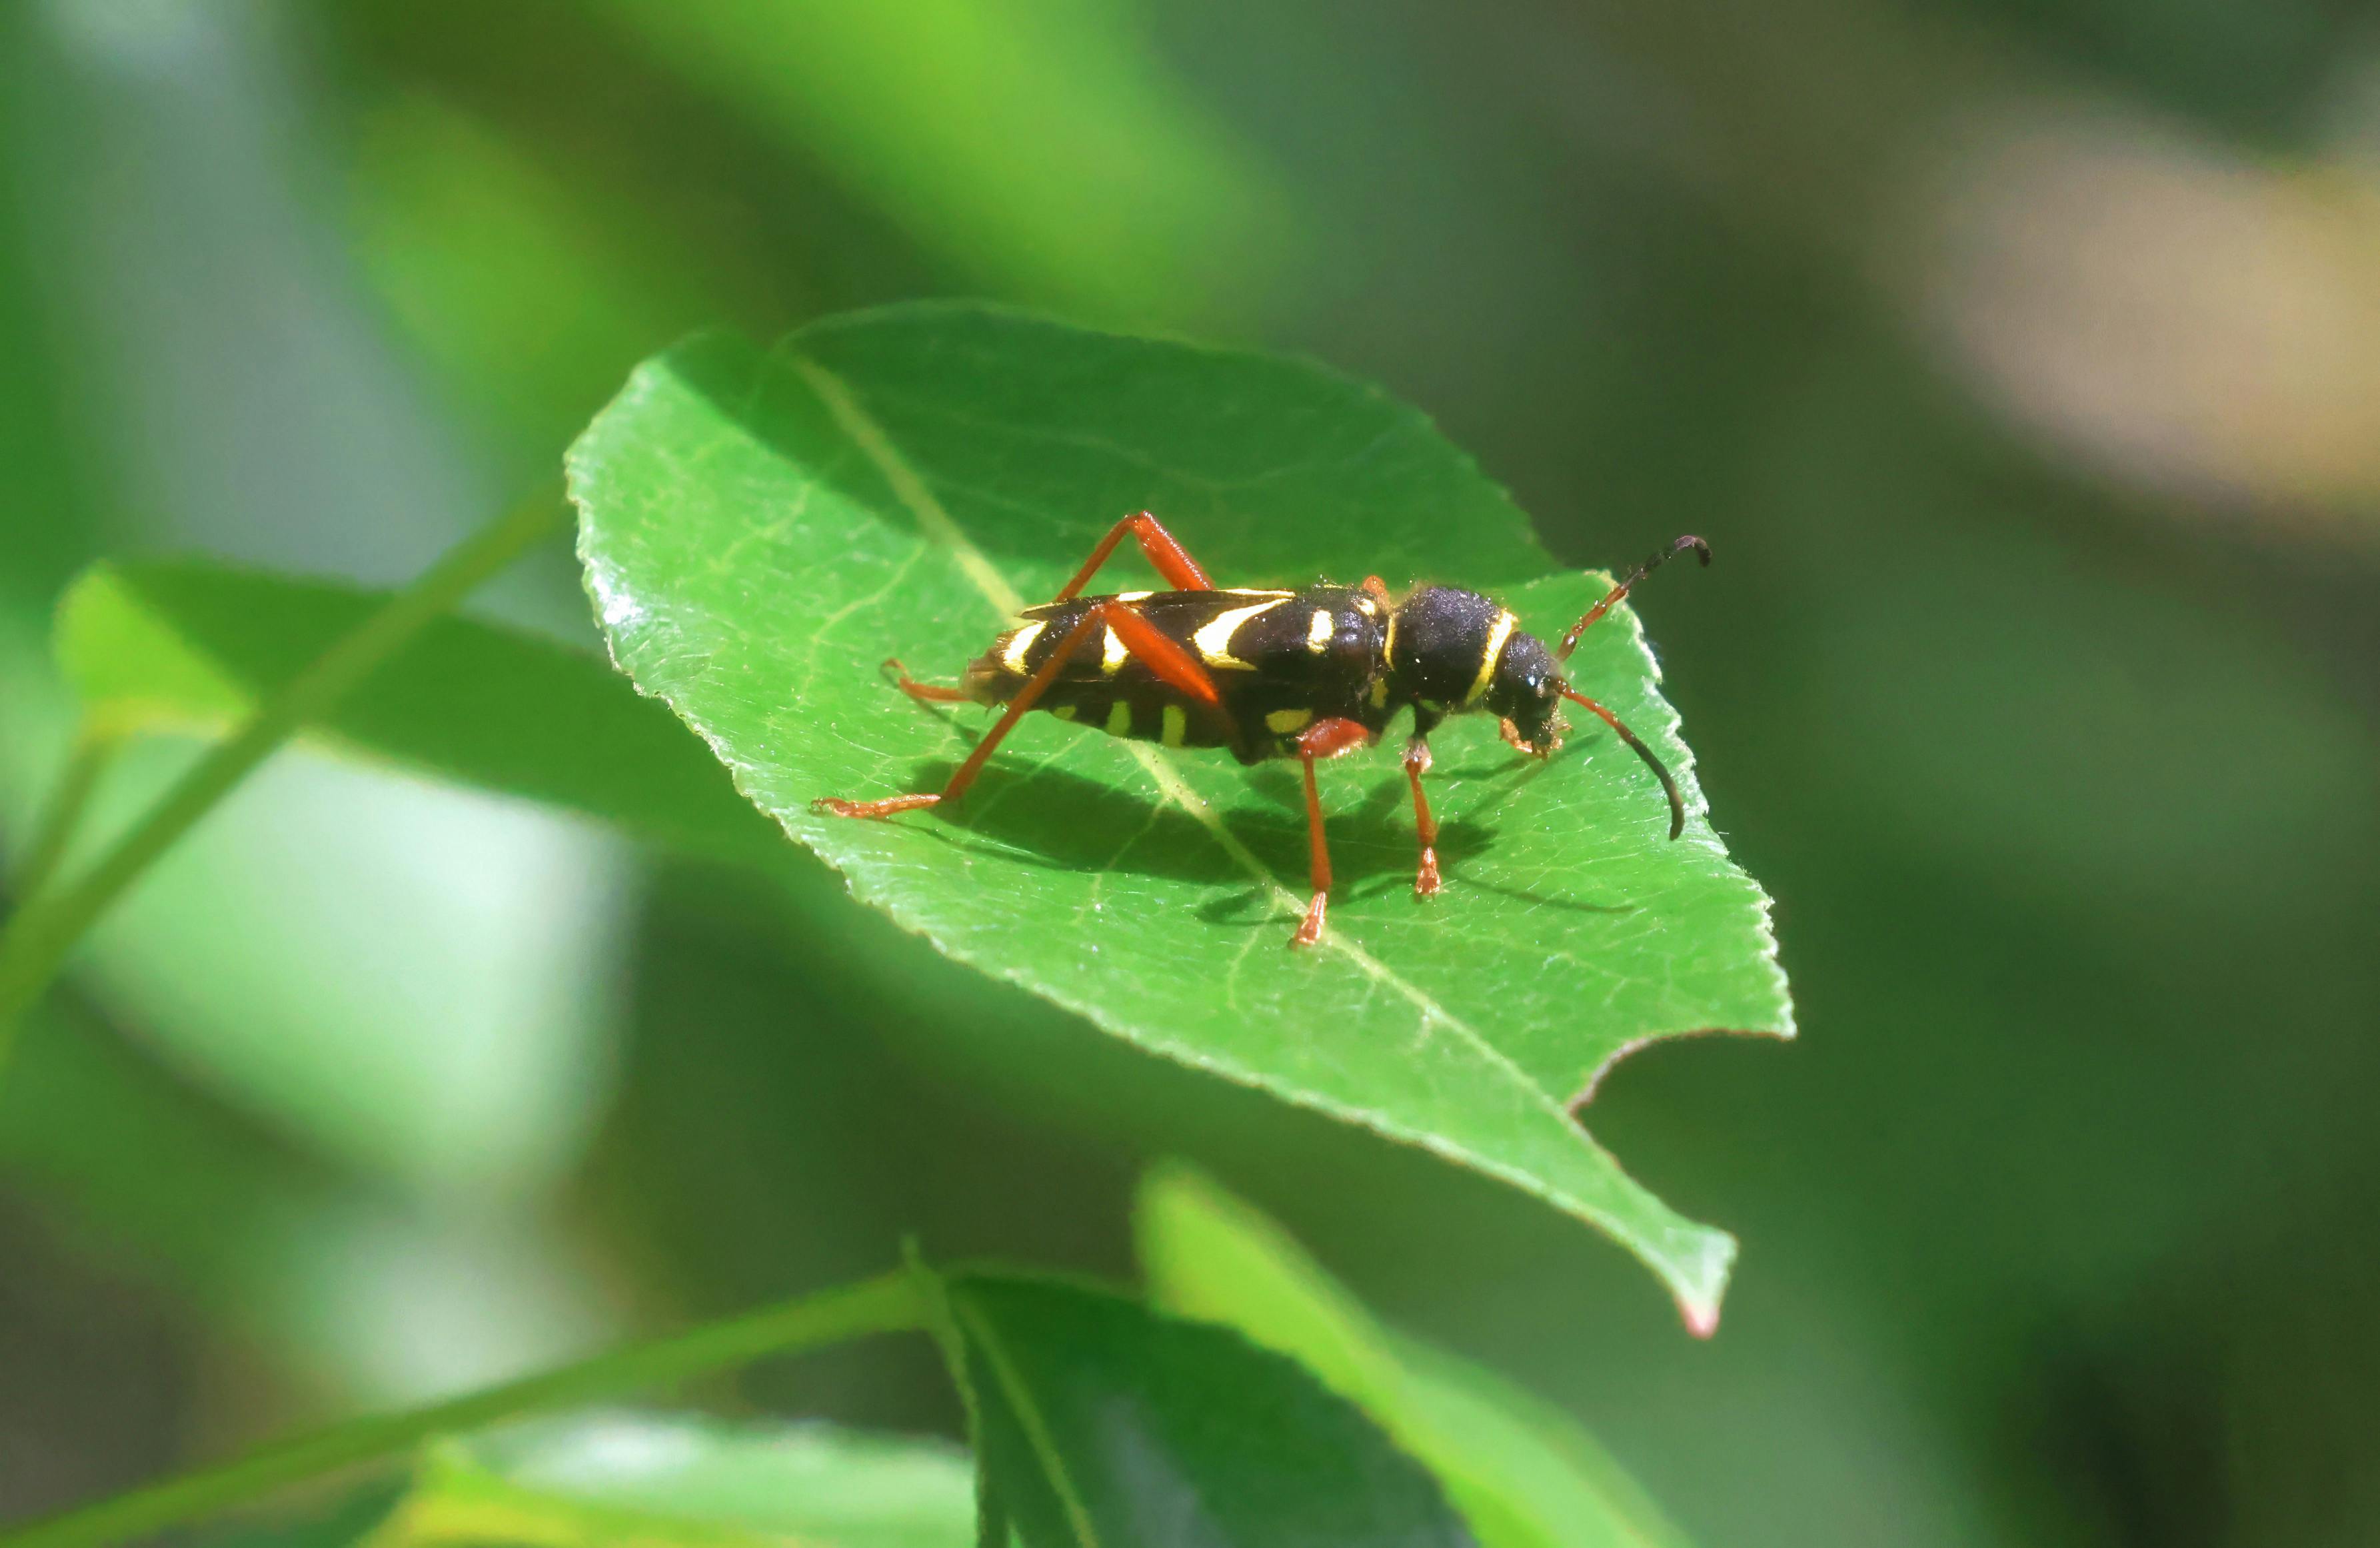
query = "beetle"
x=1308 y=674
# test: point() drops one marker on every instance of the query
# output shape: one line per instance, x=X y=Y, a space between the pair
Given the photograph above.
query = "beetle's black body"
x=1281 y=661
x=1305 y=673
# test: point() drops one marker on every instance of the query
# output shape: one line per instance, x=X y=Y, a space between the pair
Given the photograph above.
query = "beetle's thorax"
x=1442 y=646
x=1449 y=650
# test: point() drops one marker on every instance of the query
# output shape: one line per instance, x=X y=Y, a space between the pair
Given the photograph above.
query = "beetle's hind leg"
x=924 y=693
x=1163 y=550
x=1167 y=659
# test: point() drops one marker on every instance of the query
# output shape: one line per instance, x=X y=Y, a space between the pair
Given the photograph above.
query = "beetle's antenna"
x=1570 y=641
x=1669 y=786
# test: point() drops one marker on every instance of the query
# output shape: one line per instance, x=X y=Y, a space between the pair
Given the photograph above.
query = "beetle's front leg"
x=1425 y=882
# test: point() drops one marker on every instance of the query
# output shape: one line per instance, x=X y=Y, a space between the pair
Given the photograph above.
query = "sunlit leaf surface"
x=761 y=530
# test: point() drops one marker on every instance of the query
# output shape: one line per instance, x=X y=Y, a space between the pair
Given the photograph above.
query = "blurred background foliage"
x=2021 y=358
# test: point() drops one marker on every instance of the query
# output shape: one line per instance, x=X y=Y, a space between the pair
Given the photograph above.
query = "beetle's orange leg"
x=1425 y=883
x=1171 y=664
x=1172 y=561
x=1323 y=739
x=1035 y=686
x=924 y=693
x=1176 y=667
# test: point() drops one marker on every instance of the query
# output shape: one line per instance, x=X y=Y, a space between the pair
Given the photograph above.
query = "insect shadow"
x=1047 y=816
x=1061 y=821
x=1387 y=809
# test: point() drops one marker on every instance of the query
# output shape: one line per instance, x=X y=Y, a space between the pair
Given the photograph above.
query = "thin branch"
x=40 y=934
x=889 y=1303
x=94 y=750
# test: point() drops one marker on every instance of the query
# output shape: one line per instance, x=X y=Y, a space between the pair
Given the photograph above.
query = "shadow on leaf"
x=1057 y=820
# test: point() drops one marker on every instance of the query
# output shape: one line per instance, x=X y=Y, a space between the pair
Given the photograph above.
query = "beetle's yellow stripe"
x=1018 y=643
x=1177 y=726
x=1065 y=711
x=1112 y=655
x=1214 y=641
x=1120 y=718
x=1389 y=644
x=1318 y=632
x=1283 y=721
x=1503 y=631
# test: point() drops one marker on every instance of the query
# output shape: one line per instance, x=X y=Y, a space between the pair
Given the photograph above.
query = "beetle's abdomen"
x=1278 y=659
x=1160 y=715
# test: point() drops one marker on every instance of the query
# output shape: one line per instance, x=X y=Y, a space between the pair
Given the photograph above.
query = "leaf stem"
x=889 y=1303
x=40 y=934
x=94 y=750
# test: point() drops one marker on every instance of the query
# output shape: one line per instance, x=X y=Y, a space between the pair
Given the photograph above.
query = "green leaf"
x=1103 y=1423
x=169 y=644
x=661 y=1480
x=1524 y=1474
x=761 y=529
x=1041 y=149
x=503 y=276
x=315 y=1519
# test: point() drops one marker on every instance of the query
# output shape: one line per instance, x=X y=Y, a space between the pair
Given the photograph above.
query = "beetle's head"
x=1525 y=689
x=1451 y=651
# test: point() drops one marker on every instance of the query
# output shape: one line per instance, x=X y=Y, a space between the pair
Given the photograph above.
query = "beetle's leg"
x=1173 y=664
x=1323 y=739
x=1425 y=883
x=1172 y=561
x=1164 y=655
x=1378 y=589
x=924 y=693
x=1035 y=686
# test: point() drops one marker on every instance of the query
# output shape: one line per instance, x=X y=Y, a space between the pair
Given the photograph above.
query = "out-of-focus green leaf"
x=1102 y=1421
x=479 y=1077
x=1037 y=147
x=334 y=1521
x=1524 y=1474
x=185 y=643
x=683 y=1482
x=526 y=301
x=337 y=1283
x=277 y=954
x=761 y=530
